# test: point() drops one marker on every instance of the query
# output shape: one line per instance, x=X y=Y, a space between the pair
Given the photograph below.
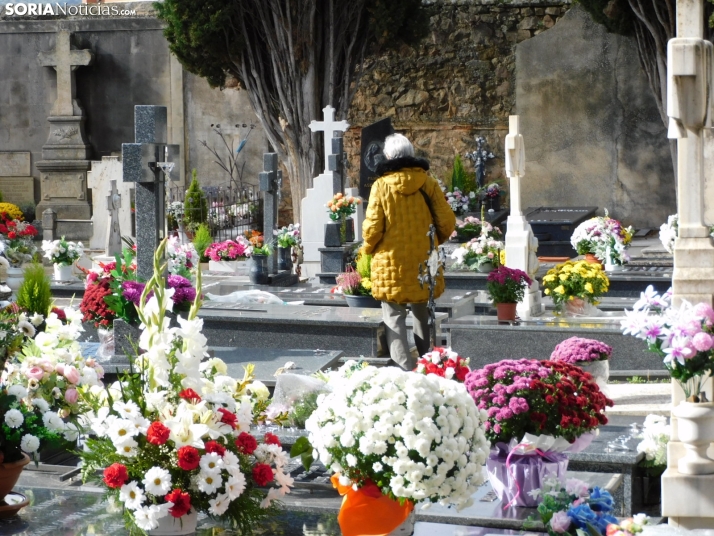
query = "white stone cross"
x=113 y=243
x=329 y=126
x=65 y=61
x=515 y=161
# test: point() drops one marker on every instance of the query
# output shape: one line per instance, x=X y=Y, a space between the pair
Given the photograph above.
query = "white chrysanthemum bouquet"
x=172 y=438
x=414 y=437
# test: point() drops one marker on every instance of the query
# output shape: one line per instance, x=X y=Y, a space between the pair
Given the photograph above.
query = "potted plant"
x=603 y=240
x=340 y=208
x=575 y=286
x=287 y=237
x=590 y=355
x=171 y=440
x=201 y=240
x=480 y=254
x=259 y=274
x=230 y=255
x=656 y=434
x=356 y=284
x=195 y=207
x=63 y=254
x=445 y=363
x=506 y=287
x=684 y=337
x=34 y=295
x=537 y=411
x=372 y=434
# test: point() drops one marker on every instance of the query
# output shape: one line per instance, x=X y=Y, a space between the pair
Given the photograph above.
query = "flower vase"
x=514 y=476
x=343 y=229
x=63 y=272
x=106 y=344
x=349 y=230
x=495 y=203
x=485 y=268
x=15 y=275
x=10 y=473
x=176 y=526
x=285 y=261
x=575 y=307
x=695 y=426
x=407 y=526
x=506 y=311
x=259 y=270
x=592 y=259
x=362 y=301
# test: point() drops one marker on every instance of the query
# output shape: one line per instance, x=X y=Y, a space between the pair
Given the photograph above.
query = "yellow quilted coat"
x=395 y=229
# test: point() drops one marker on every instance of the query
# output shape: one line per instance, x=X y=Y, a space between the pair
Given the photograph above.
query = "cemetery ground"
x=315 y=331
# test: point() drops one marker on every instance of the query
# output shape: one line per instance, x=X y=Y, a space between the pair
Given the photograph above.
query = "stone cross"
x=65 y=61
x=329 y=126
x=269 y=180
x=113 y=243
x=148 y=162
x=335 y=163
x=515 y=162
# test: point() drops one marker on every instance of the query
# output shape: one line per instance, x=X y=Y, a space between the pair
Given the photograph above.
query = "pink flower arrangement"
x=537 y=397
x=229 y=250
x=576 y=350
x=445 y=363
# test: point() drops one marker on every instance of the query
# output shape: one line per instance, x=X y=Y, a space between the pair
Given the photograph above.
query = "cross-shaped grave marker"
x=148 y=162
x=113 y=244
x=329 y=126
x=270 y=181
x=65 y=61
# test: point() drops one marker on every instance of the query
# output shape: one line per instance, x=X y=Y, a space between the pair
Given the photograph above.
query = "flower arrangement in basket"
x=574 y=509
x=230 y=250
x=445 y=363
x=604 y=237
x=472 y=227
x=172 y=439
x=62 y=252
x=289 y=236
x=683 y=336
x=18 y=238
x=379 y=432
x=573 y=284
x=588 y=354
x=537 y=411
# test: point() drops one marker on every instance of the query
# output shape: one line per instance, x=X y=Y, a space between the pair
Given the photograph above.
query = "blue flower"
x=600 y=500
x=603 y=521
x=582 y=516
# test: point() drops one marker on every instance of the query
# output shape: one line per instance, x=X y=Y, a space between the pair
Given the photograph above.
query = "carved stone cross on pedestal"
x=329 y=126
x=113 y=245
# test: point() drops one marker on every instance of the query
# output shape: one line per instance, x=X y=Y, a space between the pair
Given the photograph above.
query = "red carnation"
x=190 y=395
x=214 y=446
x=228 y=418
x=115 y=476
x=461 y=373
x=262 y=474
x=246 y=443
x=188 y=458
x=12 y=235
x=157 y=434
x=181 y=500
x=271 y=439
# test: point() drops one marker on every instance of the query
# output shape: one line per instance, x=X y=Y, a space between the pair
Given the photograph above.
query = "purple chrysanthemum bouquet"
x=577 y=350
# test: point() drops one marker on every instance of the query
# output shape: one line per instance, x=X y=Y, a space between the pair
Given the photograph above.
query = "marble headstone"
x=99 y=179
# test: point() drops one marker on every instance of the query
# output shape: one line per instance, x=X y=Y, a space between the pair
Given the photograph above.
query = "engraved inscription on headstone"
x=373 y=137
x=15 y=164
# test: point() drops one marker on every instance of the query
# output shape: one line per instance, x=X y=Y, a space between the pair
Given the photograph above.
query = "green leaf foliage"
x=195 y=205
x=201 y=240
x=34 y=293
x=303 y=448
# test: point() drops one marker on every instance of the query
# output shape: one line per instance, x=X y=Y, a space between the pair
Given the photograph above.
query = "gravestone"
x=147 y=163
x=314 y=213
x=105 y=171
x=521 y=245
x=553 y=227
x=16 y=182
x=64 y=165
x=269 y=180
x=371 y=153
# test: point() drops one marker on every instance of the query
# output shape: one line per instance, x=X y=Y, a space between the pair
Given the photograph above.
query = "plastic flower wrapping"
x=579 y=350
x=604 y=237
x=445 y=363
x=575 y=279
x=541 y=398
x=414 y=437
x=683 y=336
x=173 y=437
x=230 y=250
x=182 y=258
x=62 y=251
x=574 y=509
x=655 y=437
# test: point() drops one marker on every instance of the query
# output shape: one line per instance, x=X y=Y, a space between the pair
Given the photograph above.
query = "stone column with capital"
x=64 y=164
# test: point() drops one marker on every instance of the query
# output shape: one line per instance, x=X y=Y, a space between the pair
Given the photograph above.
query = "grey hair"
x=397 y=146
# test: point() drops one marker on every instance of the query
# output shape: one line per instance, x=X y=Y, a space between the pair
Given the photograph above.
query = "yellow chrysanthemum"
x=12 y=210
x=547 y=291
x=563 y=277
x=502 y=257
x=589 y=288
x=366 y=283
x=549 y=278
x=560 y=289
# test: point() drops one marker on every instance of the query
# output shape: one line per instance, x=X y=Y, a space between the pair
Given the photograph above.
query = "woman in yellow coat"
x=395 y=234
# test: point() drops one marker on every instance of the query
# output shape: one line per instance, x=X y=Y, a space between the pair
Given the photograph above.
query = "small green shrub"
x=34 y=293
x=195 y=205
x=364 y=266
x=201 y=240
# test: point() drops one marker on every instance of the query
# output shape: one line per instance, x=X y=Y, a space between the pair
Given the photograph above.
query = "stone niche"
x=16 y=182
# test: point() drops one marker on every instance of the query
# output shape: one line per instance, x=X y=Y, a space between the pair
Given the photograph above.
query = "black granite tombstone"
x=553 y=227
x=371 y=153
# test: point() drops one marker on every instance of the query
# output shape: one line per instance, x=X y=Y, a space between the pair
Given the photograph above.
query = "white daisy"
x=211 y=462
x=29 y=443
x=235 y=485
x=209 y=483
x=219 y=505
x=132 y=495
x=157 y=481
x=14 y=418
x=27 y=329
x=127 y=448
x=122 y=429
x=231 y=463
x=127 y=410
